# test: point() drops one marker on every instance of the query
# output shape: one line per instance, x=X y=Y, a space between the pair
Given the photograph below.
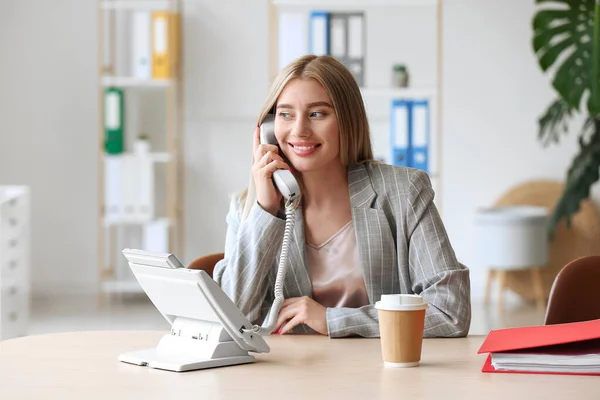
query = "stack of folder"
x=155 y=44
x=570 y=349
x=340 y=35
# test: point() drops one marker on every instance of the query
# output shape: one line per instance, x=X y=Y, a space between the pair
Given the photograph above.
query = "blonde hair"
x=342 y=89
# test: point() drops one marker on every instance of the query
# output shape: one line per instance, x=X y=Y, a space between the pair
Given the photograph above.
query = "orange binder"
x=570 y=339
x=165 y=44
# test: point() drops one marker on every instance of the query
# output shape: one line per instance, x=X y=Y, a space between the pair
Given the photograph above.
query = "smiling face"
x=306 y=126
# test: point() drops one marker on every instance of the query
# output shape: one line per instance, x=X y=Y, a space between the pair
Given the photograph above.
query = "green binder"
x=113 y=121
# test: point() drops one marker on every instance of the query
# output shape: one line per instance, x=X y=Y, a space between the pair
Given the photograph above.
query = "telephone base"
x=180 y=363
x=177 y=353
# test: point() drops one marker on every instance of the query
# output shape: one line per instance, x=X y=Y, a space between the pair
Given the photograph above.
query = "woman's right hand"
x=266 y=161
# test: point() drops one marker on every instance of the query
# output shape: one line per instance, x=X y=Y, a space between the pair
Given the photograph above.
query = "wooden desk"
x=83 y=365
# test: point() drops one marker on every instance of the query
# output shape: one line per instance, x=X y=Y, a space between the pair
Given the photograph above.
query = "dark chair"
x=207 y=262
x=575 y=292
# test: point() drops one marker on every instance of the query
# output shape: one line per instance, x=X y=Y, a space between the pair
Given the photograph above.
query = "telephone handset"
x=284 y=179
x=287 y=184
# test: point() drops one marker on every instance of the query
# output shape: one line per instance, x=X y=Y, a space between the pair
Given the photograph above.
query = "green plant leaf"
x=583 y=173
x=542 y=37
x=594 y=99
x=565 y=38
x=554 y=122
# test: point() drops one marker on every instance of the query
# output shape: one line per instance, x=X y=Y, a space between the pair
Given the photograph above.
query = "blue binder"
x=400 y=133
x=410 y=139
x=420 y=134
x=318 y=33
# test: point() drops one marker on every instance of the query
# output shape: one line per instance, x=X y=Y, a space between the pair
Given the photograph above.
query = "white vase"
x=141 y=146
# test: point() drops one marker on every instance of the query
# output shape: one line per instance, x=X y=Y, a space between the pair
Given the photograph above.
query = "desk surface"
x=83 y=365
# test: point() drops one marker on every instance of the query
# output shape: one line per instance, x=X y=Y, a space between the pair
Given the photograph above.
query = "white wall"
x=48 y=133
x=493 y=95
x=226 y=81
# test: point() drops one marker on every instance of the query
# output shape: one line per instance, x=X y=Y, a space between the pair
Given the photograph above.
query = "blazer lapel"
x=374 y=237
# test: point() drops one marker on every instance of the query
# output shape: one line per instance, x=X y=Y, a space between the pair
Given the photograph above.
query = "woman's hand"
x=266 y=161
x=302 y=310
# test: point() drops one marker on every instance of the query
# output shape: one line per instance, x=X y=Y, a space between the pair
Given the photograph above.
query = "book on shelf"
x=571 y=348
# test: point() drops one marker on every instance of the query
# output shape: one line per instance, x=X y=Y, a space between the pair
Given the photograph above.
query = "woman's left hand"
x=301 y=310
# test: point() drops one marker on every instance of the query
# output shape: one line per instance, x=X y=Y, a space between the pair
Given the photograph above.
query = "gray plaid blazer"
x=403 y=246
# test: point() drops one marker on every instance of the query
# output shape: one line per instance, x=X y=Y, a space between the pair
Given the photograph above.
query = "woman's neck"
x=325 y=187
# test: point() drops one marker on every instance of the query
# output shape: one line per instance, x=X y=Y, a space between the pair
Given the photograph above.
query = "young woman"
x=362 y=229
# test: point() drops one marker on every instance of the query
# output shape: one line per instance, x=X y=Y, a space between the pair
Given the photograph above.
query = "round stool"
x=513 y=238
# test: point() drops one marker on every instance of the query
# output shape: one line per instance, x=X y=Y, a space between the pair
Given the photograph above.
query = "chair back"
x=207 y=263
x=575 y=293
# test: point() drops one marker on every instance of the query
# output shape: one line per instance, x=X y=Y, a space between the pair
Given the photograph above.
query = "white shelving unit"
x=378 y=98
x=140 y=191
x=349 y=4
x=15 y=248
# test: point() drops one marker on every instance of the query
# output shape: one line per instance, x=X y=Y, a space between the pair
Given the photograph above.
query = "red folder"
x=540 y=338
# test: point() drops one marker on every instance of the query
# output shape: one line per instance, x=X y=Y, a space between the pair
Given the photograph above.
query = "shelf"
x=155 y=157
x=131 y=221
x=398 y=92
x=123 y=81
x=149 y=5
x=347 y=4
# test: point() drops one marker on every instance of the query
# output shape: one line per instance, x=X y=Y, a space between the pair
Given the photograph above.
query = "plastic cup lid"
x=401 y=302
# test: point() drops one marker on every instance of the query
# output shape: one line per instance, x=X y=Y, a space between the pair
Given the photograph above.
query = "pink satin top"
x=335 y=271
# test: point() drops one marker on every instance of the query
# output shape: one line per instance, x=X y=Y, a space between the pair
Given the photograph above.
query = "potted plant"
x=566 y=37
x=142 y=143
x=400 y=76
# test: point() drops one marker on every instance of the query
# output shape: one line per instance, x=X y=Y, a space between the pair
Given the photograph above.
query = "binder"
x=410 y=137
x=144 y=185
x=165 y=44
x=338 y=32
x=129 y=187
x=400 y=133
x=318 y=32
x=141 y=45
x=341 y=35
x=356 y=36
x=156 y=236
x=113 y=193
x=346 y=41
x=355 y=54
x=113 y=120
x=420 y=135
x=542 y=339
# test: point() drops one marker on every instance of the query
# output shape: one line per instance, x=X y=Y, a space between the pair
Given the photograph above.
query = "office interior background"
x=474 y=63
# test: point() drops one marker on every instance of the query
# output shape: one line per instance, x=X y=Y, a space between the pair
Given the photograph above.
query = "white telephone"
x=207 y=328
